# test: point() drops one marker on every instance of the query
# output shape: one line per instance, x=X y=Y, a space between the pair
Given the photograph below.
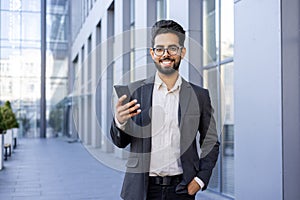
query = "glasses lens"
x=159 y=51
x=172 y=50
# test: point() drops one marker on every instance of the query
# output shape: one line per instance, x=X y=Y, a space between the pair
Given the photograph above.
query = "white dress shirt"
x=165 y=148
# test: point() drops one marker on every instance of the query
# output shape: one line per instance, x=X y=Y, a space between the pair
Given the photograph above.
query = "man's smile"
x=167 y=62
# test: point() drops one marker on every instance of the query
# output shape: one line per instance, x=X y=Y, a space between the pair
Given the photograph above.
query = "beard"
x=167 y=70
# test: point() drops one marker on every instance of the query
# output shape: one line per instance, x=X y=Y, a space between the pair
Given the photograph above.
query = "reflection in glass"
x=210 y=41
x=227 y=31
x=228 y=130
x=20 y=62
x=218 y=78
x=31 y=31
x=4 y=25
x=210 y=77
x=76 y=16
x=161 y=9
x=57 y=67
x=220 y=86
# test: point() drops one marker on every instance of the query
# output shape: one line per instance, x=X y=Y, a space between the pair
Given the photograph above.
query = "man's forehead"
x=166 y=39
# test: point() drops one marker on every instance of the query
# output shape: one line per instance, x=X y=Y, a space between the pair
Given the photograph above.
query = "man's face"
x=167 y=63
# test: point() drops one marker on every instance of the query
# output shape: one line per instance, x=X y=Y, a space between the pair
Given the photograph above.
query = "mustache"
x=166 y=59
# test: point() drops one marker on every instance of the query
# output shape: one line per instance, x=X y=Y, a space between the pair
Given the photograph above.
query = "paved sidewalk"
x=54 y=169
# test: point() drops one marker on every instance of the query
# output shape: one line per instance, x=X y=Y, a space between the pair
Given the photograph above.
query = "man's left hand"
x=193 y=187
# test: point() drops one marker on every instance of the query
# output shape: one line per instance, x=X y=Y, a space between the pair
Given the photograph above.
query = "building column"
x=121 y=55
x=258 y=100
x=107 y=76
x=81 y=83
x=43 y=125
x=95 y=126
x=291 y=98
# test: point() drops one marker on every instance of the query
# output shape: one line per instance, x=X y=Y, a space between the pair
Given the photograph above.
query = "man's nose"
x=166 y=53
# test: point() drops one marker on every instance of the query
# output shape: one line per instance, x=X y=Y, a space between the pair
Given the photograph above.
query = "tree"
x=7 y=118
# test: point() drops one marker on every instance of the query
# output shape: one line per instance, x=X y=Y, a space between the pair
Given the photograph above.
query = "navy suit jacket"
x=195 y=115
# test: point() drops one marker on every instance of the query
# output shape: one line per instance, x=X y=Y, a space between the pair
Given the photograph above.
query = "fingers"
x=121 y=99
x=126 y=111
x=128 y=105
x=129 y=115
x=193 y=187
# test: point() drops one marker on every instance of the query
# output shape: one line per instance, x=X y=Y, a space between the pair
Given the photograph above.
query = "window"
x=161 y=9
x=218 y=78
x=20 y=56
x=89 y=62
x=82 y=66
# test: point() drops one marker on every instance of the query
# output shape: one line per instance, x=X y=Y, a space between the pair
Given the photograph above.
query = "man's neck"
x=169 y=80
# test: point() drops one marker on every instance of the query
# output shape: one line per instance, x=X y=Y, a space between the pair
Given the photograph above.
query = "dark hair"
x=167 y=26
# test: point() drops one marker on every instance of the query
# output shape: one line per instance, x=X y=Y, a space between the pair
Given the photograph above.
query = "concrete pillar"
x=95 y=129
x=1 y=151
x=258 y=100
x=81 y=121
x=291 y=98
x=107 y=77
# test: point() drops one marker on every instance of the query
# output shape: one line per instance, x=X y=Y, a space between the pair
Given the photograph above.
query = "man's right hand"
x=124 y=112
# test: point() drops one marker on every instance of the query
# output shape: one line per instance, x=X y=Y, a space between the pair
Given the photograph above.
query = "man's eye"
x=159 y=49
x=172 y=48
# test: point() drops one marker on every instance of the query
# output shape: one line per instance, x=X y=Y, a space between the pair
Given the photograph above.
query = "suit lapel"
x=184 y=99
x=189 y=115
x=146 y=106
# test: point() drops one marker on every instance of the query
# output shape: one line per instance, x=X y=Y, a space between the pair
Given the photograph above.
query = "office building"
x=245 y=52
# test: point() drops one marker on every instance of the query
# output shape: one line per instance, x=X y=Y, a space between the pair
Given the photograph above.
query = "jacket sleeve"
x=120 y=138
x=209 y=143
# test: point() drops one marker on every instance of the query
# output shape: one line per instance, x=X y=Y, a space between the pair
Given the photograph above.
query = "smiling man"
x=160 y=123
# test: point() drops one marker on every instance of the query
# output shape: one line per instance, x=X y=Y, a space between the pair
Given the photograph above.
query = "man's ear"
x=183 y=52
x=151 y=53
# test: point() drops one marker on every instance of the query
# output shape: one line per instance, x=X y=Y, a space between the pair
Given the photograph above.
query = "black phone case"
x=121 y=90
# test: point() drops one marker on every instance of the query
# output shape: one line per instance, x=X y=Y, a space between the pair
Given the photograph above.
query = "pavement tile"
x=28 y=198
x=6 y=197
x=7 y=190
x=53 y=169
x=27 y=194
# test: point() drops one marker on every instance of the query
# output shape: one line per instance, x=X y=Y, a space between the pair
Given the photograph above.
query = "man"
x=163 y=115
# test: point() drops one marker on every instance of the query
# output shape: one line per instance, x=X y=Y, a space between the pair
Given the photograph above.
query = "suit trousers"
x=158 y=191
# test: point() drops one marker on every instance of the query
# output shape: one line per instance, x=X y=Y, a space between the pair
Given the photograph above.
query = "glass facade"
x=218 y=78
x=20 y=60
x=161 y=8
x=57 y=39
x=132 y=40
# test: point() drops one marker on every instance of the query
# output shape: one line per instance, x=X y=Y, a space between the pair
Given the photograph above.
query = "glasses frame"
x=167 y=49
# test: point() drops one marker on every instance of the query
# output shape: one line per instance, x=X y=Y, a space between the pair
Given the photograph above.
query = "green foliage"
x=7 y=118
x=55 y=119
x=25 y=123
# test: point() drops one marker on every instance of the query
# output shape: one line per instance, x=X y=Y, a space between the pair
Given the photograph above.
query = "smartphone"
x=121 y=90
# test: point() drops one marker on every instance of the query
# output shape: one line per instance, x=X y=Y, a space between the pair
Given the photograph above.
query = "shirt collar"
x=158 y=83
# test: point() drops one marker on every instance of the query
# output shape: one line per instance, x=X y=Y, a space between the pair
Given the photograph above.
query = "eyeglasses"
x=172 y=50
